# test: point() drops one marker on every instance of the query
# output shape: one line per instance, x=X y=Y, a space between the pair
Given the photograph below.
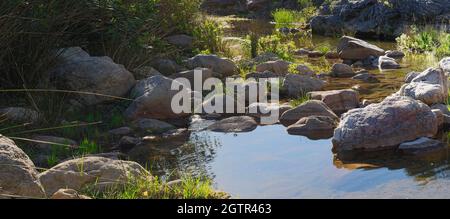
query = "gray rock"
x=332 y=55
x=430 y=86
x=410 y=76
x=305 y=70
x=295 y=85
x=19 y=115
x=445 y=64
x=153 y=99
x=395 y=54
x=385 y=62
x=314 y=127
x=278 y=67
x=340 y=101
x=181 y=40
x=152 y=125
x=121 y=131
x=98 y=172
x=99 y=75
x=145 y=72
x=127 y=142
x=203 y=74
x=342 y=71
x=366 y=77
x=421 y=146
x=309 y=108
x=384 y=125
x=234 y=124
x=223 y=66
x=167 y=66
x=45 y=143
x=68 y=194
x=356 y=49
x=265 y=74
x=18 y=176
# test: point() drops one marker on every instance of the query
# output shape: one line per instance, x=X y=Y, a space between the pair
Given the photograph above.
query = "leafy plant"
x=426 y=40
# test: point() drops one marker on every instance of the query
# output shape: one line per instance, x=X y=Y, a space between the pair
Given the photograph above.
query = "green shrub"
x=275 y=44
x=426 y=40
x=285 y=18
x=130 y=32
x=208 y=34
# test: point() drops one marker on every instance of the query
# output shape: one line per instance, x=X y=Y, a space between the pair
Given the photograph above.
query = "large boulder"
x=314 y=127
x=340 y=101
x=395 y=120
x=78 y=71
x=223 y=66
x=296 y=85
x=99 y=172
x=355 y=49
x=152 y=125
x=278 y=67
x=375 y=18
x=18 y=175
x=234 y=124
x=153 y=98
x=309 y=108
x=430 y=86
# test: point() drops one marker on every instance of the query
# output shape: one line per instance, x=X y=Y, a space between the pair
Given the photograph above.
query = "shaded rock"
x=262 y=109
x=332 y=55
x=366 y=77
x=19 y=115
x=314 y=127
x=68 y=194
x=421 y=146
x=385 y=62
x=295 y=85
x=145 y=72
x=278 y=67
x=395 y=54
x=315 y=54
x=302 y=52
x=445 y=64
x=234 y=124
x=254 y=5
x=120 y=131
x=356 y=49
x=45 y=143
x=342 y=71
x=127 y=142
x=410 y=76
x=181 y=40
x=167 y=66
x=265 y=74
x=223 y=66
x=384 y=125
x=98 y=172
x=203 y=73
x=99 y=75
x=152 y=125
x=309 y=108
x=153 y=99
x=305 y=70
x=18 y=176
x=340 y=101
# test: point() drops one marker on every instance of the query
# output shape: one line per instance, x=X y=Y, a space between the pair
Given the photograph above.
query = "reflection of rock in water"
x=171 y=160
x=424 y=167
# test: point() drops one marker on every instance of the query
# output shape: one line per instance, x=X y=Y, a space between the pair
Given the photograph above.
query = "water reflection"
x=269 y=163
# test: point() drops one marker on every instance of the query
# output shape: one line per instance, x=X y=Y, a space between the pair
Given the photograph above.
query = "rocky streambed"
x=364 y=128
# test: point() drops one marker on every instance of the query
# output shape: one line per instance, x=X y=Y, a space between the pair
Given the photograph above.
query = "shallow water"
x=269 y=163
